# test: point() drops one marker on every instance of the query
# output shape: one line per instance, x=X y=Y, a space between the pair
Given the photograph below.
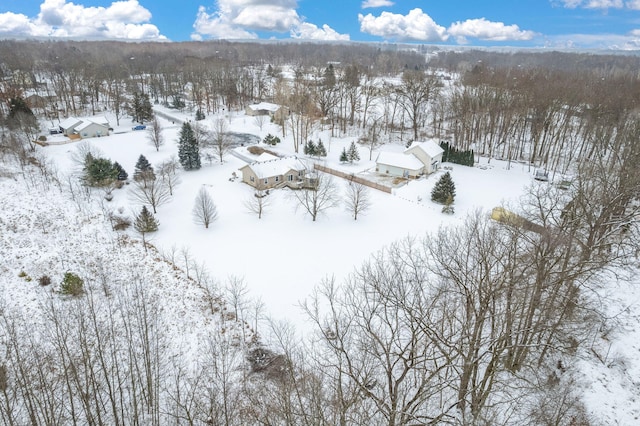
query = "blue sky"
x=581 y=24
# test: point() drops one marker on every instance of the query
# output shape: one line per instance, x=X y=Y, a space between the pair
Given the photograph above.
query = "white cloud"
x=309 y=31
x=594 y=4
x=267 y=17
x=57 y=18
x=217 y=26
x=367 y=4
x=241 y=18
x=416 y=25
x=633 y=4
x=487 y=30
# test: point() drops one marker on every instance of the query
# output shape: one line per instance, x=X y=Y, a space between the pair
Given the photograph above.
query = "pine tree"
x=122 y=173
x=188 y=152
x=199 y=115
x=143 y=169
x=271 y=140
x=145 y=222
x=353 y=155
x=444 y=189
x=100 y=172
x=310 y=148
x=321 y=151
x=141 y=108
x=344 y=157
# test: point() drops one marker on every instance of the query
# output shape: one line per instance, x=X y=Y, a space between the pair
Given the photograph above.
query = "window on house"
x=277 y=178
x=252 y=179
x=290 y=178
x=266 y=181
x=300 y=173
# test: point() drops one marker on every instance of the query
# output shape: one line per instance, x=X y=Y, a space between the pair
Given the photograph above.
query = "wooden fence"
x=353 y=178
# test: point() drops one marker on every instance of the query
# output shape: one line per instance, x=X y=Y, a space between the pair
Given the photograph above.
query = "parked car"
x=54 y=130
x=541 y=175
x=139 y=127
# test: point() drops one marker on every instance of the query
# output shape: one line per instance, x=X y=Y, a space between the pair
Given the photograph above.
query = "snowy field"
x=282 y=256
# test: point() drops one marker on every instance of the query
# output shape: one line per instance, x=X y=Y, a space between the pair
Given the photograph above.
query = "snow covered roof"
x=276 y=167
x=87 y=123
x=70 y=122
x=264 y=106
x=429 y=147
x=396 y=159
x=100 y=119
x=265 y=156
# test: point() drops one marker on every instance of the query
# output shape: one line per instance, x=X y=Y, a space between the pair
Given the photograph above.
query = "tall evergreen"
x=310 y=148
x=141 y=108
x=444 y=191
x=344 y=157
x=122 y=173
x=145 y=222
x=353 y=154
x=188 y=151
x=143 y=169
x=321 y=151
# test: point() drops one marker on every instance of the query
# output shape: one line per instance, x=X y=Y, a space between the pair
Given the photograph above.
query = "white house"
x=86 y=127
x=399 y=164
x=420 y=158
x=429 y=153
x=274 y=111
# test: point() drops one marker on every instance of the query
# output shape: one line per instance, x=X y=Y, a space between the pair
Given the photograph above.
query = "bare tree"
x=220 y=138
x=154 y=192
x=416 y=91
x=260 y=121
x=204 y=210
x=358 y=199
x=259 y=201
x=320 y=195
x=154 y=133
x=168 y=172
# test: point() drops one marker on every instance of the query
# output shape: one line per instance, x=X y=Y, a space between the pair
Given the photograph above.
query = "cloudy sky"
x=605 y=24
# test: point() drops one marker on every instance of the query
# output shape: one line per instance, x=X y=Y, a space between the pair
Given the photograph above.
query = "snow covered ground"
x=282 y=256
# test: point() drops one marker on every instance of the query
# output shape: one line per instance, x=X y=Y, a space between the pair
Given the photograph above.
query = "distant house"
x=420 y=158
x=68 y=126
x=429 y=153
x=86 y=128
x=399 y=164
x=279 y=172
x=274 y=111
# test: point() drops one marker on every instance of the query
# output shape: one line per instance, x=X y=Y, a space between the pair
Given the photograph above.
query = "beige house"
x=274 y=111
x=279 y=172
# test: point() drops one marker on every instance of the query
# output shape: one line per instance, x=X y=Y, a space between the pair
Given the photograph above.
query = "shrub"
x=72 y=285
x=44 y=280
x=120 y=223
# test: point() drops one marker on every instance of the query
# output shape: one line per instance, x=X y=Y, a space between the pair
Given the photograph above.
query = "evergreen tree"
x=19 y=106
x=310 y=148
x=145 y=222
x=100 y=172
x=444 y=190
x=321 y=151
x=143 y=169
x=199 y=115
x=271 y=140
x=122 y=173
x=353 y=155
x=188 y=151
x=141 y=108
x=344 y=157
x=448 y=205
